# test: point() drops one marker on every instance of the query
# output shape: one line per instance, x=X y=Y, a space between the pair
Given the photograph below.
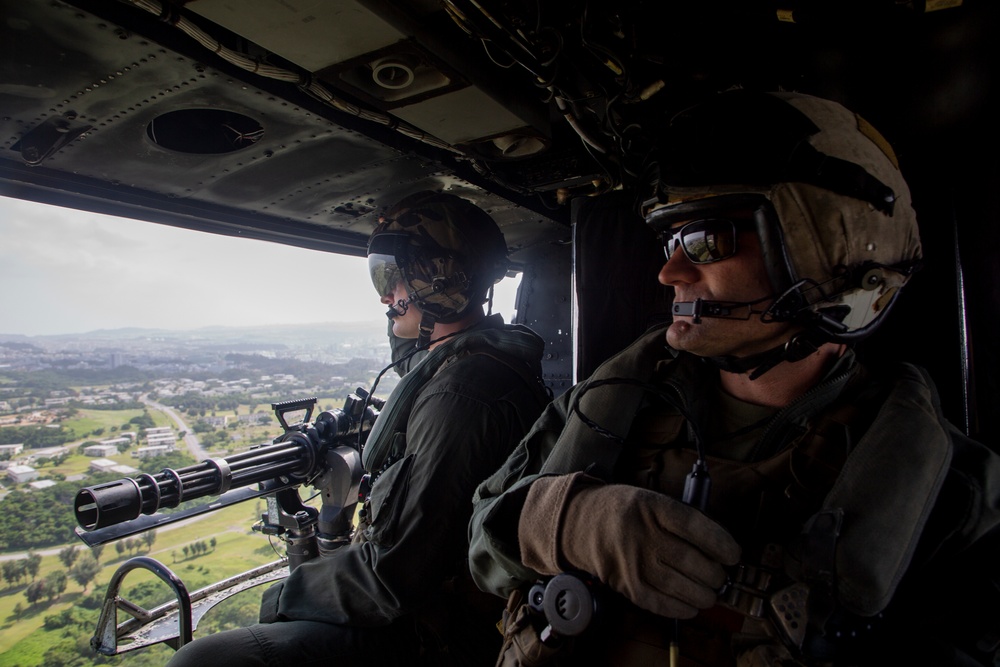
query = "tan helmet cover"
x=825 y=232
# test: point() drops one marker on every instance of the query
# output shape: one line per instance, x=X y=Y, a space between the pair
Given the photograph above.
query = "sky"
x=64 y=271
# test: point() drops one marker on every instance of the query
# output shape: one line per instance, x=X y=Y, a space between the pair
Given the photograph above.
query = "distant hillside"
x=281 y=333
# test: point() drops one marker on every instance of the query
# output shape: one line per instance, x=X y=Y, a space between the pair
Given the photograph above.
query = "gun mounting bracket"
x=174 y=622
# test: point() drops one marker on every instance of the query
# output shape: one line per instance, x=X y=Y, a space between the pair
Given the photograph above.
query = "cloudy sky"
x=65 y=271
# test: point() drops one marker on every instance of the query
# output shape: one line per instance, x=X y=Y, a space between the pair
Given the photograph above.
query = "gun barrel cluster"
x=125 y=499
x=297 y=456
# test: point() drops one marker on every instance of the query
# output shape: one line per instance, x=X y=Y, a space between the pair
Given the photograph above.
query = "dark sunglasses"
x=703 y=241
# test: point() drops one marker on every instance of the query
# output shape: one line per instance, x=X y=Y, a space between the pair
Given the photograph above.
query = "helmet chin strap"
x=427 y=322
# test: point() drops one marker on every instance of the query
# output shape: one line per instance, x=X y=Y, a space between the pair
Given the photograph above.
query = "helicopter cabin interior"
x=298 y=121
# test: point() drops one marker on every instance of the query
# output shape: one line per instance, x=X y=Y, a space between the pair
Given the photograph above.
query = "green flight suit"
x=404 y=589
x=887 y=513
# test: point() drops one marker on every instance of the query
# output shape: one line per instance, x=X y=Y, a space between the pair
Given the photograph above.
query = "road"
x=190 y=438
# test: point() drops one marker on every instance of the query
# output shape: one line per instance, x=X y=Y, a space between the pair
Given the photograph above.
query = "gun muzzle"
x=108 y=504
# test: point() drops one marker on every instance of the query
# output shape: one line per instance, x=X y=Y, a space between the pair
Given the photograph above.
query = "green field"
x=87 y=421
x=24 y=638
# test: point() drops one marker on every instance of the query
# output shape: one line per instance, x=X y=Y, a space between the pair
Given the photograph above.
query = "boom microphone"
x=700 y=308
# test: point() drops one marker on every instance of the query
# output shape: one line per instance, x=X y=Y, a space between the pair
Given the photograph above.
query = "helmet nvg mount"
x=830 y=206
x=447 y=252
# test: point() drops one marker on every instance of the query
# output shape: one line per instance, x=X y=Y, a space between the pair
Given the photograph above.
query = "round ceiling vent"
x=204 y=131
x=393 y=73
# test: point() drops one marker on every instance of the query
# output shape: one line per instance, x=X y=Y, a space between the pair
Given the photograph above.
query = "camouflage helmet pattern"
x=843 y=234
x=447 y=251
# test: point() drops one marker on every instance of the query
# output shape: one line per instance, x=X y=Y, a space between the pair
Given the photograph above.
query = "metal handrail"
x=157 y=625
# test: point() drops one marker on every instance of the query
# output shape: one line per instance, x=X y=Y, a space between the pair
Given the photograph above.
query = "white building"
x=20 y=474
x=102 y=450
x=13 y=450
x=47 y=452
x=41 y=484
x=155 y=450
x=102 y=465
x=166 y=439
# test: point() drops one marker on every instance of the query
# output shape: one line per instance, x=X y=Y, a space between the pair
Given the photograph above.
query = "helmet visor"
x=384 y=251
x=431 y=273
x=384 y=272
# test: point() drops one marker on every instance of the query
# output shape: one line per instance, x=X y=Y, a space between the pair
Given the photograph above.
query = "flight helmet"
x=821 y=187
x=446 y=250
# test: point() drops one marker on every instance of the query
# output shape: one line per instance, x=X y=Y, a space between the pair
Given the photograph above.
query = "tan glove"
x=663 y=555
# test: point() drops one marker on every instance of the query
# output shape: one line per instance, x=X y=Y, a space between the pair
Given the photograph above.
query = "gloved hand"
x=663 y=555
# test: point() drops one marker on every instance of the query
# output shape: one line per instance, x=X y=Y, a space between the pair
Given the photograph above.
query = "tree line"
x=36 y=437
x=196 y=548
x=81 y=565
x=40 y=518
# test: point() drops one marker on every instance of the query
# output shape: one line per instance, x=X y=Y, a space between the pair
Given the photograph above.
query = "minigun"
x=325 y=454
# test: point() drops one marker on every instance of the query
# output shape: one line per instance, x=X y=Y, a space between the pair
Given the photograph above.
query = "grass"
x=88 y=421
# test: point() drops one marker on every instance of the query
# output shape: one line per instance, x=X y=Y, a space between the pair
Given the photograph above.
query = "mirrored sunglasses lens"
x=708 y=241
